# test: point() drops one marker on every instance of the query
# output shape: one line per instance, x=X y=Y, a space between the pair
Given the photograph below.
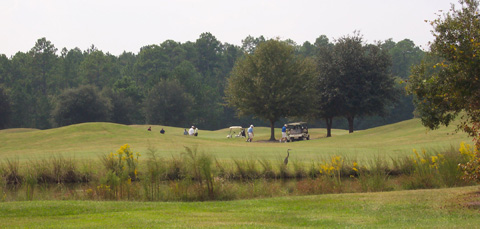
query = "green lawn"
x=420 y=208
x=89 y=140
x=438 y=208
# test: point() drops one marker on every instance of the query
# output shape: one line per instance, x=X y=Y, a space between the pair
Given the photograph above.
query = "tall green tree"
x=174 y=52
x=5 y=69
x=71 y=61
x=209 y=50
x=5 y=109
x=271 y=83
x=44 y=64
x=22 y=92
x=361 y=78
x=150 y=67
x=405 y=54
x=127 y=101
x=328 y=99
x=45 y=72
x=168 y=104
x=448 y=83
x=82 y=104
x=249 y=44
x=125 y=63
x=99 y=69
x=307 y=49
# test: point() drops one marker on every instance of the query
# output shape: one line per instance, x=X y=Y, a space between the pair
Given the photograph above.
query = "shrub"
x=283 y=171
x=201 y=170
x=121 y=171
x=267 y=172
x=64 y=171
x=449 y=169
x=299 y=170
x=176 y=169
x=403 y=166
x=123 y=163
x=42 y=171
x=425 y=173
x=313 y=171
x=375 y=178
x=82 y=104
x=246 y=169
x=222 y=172
x=471 y=168
x=153 y=177
x=110 y=187
x=11 y=172
x=332 y=169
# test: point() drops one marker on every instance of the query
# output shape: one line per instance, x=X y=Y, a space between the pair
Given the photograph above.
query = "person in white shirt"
x=191 y=131
x=250 y=134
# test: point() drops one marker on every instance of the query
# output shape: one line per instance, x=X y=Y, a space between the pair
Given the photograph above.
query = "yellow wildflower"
x=416 y=153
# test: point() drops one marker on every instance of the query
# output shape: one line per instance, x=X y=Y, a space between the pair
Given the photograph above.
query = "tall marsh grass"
x=195 y=176
x=374 y=176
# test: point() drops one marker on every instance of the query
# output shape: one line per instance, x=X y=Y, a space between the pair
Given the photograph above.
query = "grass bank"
x=438 y=208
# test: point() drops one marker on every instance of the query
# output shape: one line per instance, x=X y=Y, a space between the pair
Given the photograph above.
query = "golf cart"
x=240 y=132
x=297 y=131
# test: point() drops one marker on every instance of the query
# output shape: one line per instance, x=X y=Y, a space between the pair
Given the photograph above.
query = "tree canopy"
x=355 y=80
x=271 y=83
x=5 y=109
x=448 y=82
x=168 y=103
x=82 y=104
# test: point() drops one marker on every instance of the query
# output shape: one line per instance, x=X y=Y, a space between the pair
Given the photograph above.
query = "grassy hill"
x=89 y=140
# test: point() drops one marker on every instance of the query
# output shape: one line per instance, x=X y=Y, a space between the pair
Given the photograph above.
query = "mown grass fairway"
x=439 y=208
x=89 y=140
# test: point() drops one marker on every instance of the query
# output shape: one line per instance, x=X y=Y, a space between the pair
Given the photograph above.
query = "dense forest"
x=172 y=83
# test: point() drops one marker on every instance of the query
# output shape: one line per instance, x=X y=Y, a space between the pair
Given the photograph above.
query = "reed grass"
x=194 y=176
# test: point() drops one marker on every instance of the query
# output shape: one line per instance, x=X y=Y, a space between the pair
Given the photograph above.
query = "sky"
x=116 y=26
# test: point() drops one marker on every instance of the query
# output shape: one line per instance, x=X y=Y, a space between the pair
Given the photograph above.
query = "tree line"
x=172 y=83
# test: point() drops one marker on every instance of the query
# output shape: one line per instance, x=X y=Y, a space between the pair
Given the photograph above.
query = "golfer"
x=250 y=134
x=284 y=133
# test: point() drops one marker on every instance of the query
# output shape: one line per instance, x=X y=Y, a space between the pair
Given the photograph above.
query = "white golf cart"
x=236 y=131
x=297 y=131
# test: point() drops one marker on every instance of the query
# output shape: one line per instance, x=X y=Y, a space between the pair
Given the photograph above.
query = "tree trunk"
x=350 y=123
x=329 y=126
x=272 y=130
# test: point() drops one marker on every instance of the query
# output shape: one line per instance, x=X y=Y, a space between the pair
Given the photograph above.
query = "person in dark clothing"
x=162 y=131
